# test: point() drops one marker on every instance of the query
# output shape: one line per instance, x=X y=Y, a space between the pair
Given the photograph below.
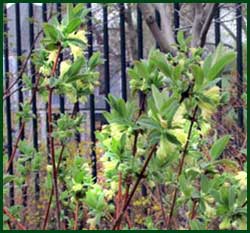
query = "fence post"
x=176 y=18
x=44 y=18
x=217 y=30
x=19 y=63
x=61 y=97
x=92 y=96
x=106 y=55
x=8 y=109
x=123 y=50
x=142 y=96
x=20 y=84
x=34 y=108
x=239 y=62
x=158 y=21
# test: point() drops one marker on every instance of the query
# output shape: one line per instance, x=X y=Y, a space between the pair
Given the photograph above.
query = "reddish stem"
x=51 y=139
x=21 y=129
x=76 y=215
x=52 y=153
x=52 y=190
x=193 y=213
x=162 y=206
x=181 y=163
x=13 y=219
x=119 y=197
x=140 y=177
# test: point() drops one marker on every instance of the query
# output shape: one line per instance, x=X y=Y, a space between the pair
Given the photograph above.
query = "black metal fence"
x=123 y=65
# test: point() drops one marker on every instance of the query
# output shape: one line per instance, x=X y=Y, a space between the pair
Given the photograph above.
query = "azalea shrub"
x=159 y=165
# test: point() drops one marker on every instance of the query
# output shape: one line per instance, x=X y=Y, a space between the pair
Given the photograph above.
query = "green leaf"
x=8 y=178
x=177 y=70
x=218 y=67
x=94 y=60
x=181 y=41
x=206 y=99
x=157 y=97
x=75 y=67
x=225 y=224
x=180 y=37
x=73 y=25
x=169 y=113
x=219 y=146
x=148 y=123
x=79 y=177
x=207 y=64
x=198 y=75
x=231 y=197
x=76 y=77
x=159 y=59
x=69 y=12
x=141 y=68
x=25 y=148
x=185 y=188
x=77 y=42
x=51 y=31
x=204 y=184
x=196 y=225
x=133 y=74
x=172 y=138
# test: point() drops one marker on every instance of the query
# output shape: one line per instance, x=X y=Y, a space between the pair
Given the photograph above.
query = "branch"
x=140 y=177
x=197 y=24
x=230 y=32
x=21 y=129
x=51 y=138
x=165 y=11
x=149 y=16
x=13 y=219
x=58 y=165
x=207 y=23
x=181 y=163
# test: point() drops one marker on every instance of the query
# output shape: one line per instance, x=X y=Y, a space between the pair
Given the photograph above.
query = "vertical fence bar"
x=8 y=109
x=139 y=34
x=176 y=18
x=217 y=30
x=61 y=97
x=44 y=12
x=239 y=61
x=140 y=48
x=34 y=107
x=217 y=41
x=92 y=96
x=106 y=55
x=19 y=63
x=142 y=96
x=158 y=21
x=44 y=18
x=123 y=51
x=20 y=84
